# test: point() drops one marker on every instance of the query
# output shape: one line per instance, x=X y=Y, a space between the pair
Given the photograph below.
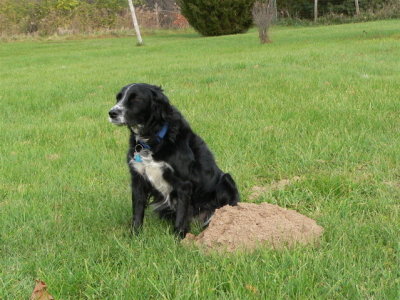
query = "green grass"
x=321 y=103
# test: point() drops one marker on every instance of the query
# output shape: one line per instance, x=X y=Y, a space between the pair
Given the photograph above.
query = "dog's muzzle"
x=116 y=116
x=114 y=113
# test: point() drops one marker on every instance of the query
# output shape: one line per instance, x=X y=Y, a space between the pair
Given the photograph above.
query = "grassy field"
x=321 y=103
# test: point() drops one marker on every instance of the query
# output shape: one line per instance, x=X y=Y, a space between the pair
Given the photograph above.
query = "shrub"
x=218 y=17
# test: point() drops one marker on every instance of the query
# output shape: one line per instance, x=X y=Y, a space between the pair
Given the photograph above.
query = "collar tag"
x=137 y=158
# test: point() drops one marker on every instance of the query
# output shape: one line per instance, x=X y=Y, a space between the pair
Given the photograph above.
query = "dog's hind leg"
x=183 y=209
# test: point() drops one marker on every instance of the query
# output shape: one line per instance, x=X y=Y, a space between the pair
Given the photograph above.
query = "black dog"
x=168 y=161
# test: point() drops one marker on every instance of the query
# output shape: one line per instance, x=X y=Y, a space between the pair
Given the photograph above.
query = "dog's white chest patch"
x=153 y=172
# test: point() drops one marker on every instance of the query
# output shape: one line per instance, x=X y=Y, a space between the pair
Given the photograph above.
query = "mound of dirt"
x=248 y=225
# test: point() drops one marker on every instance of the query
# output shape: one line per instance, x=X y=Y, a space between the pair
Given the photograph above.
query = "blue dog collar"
x=159 y=136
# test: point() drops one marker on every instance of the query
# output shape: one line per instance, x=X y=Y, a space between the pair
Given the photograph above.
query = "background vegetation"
x=47 y=17
x=321 y=103
x=305 y=8
x=51 y=16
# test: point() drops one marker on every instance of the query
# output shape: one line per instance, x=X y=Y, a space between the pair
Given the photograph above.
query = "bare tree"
x=357 y=7
x=263 y=15
x=135 y=23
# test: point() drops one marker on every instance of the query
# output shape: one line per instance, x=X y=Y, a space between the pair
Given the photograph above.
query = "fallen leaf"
x=40 y=292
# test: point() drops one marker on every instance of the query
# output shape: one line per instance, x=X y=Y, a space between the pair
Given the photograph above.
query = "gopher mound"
x=248 y=225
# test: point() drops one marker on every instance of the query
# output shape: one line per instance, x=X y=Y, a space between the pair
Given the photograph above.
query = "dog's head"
x=139 y=104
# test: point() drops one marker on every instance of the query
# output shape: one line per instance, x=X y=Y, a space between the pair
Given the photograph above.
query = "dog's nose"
x=113 y=113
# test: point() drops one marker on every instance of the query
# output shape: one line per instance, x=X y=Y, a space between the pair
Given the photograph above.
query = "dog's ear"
x=163 y=110
x=158 y=94
x=160 y=104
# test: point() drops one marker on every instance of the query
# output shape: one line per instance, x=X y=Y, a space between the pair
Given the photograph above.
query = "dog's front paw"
x=180 y=233
x=135 y=230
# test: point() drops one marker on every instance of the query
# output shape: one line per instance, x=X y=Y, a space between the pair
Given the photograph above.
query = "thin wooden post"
x=315 y=10
x=135 y=23
x=357 y=7
x=157 y=9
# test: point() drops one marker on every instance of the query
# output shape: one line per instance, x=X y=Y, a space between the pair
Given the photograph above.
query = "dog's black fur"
x=197 y=185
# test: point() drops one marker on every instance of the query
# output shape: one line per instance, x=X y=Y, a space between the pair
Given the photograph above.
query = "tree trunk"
x=275 y=12
x=357 y=8
x=135 y=23
x=263 y=35
x=315 y=10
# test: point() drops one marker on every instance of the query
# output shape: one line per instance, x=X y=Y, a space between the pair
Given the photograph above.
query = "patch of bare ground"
x=53 y=156
x=248 y=226
x=257 y=191
x=394 y=184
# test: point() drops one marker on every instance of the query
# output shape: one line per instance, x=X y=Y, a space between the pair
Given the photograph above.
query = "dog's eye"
x=132 y=98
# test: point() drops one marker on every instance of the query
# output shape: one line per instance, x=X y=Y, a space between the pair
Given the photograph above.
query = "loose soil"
x=248 y=226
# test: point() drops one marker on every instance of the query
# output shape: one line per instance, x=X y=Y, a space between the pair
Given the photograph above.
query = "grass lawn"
x=321 y=103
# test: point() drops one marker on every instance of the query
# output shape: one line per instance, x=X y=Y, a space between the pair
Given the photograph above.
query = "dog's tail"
x=227 y=192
